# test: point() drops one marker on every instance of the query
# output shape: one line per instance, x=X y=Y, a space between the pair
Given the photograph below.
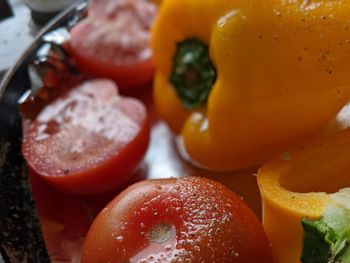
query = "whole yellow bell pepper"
x=242 y=80
x=297 y=186
x=157 y=2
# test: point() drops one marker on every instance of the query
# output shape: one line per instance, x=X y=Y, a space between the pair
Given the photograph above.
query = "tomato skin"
x=210 y=223
x=113 y=41
x=99 y=164
x=65 y=219
x=107 y=175
x=126 y=76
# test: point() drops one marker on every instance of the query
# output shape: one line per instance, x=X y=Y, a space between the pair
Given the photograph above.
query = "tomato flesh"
x=113 y=41
x=89 y=140
x=176 y=220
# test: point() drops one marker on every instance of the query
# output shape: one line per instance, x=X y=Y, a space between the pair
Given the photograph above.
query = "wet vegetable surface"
x=190 y=219
x=63 y=226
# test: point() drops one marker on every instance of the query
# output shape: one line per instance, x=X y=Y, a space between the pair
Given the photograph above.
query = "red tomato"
x=65 y=219
x=89 y=140
x=113 y=41
x=176 y=220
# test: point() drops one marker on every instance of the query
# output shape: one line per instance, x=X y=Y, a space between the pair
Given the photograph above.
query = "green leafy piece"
x=317 y=241
x=327 y=240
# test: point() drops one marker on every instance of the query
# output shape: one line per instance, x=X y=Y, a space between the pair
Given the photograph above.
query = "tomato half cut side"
x=110 y=9
x=88 y=140
x=114 y=41
x=176 y=220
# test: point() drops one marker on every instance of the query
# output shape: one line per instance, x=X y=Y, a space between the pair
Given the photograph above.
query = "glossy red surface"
x=66 y=219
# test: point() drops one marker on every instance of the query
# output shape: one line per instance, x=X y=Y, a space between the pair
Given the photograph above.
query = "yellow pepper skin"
x=157 y=2
x=297 y=186
x=282 y=73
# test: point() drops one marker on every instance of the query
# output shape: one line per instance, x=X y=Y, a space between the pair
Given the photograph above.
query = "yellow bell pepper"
x=242 y=80
x=157 y=2
x=297 y=186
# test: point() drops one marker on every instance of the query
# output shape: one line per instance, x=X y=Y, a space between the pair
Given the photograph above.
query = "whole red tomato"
x=176 y=220
x=113 y=41
x=88 y=140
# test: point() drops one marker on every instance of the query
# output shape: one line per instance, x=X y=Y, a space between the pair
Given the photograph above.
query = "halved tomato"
x=176 y=220
x=113 y=41
x=88 y=140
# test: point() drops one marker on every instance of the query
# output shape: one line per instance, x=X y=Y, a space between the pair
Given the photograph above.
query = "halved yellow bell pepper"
x=242 y=80
x=297 y=186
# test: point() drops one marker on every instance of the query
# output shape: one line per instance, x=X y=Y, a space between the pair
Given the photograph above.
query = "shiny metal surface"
x=17 y=33
x=20 y=232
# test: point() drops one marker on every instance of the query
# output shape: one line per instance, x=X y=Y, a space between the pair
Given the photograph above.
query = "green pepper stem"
x=193 y=74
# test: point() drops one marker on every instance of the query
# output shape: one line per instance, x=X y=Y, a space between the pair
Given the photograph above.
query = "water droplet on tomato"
x=197 y=248
x=119 y=238
x=234 y=253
